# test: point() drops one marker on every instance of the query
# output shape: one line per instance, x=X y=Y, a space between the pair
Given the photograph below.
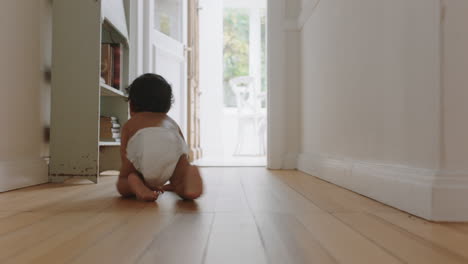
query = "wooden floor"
x=247 y=215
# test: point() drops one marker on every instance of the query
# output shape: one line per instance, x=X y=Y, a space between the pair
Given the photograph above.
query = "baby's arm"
x=126 y=166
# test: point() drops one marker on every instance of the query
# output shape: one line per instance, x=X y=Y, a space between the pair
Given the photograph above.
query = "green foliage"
x=165 y=24
x=236 y=43
x=236 y=48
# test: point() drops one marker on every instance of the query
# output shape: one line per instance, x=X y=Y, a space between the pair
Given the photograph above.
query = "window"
x=167 y=18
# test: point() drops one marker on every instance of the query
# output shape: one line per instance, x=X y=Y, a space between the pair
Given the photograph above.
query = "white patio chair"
x=249 y=103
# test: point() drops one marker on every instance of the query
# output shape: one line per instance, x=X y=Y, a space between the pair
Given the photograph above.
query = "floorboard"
x=286 y=240
x=246 y=215
x=183 y=241
x=343 y=242
x=436 y=233
x=234 y=239
x=401 y=243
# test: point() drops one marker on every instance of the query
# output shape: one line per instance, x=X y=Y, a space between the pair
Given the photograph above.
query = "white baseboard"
x=430 y=194
x=289 y=161
x=23 y=173
x=450 y=196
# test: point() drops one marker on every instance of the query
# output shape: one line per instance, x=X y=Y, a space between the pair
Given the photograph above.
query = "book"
x=116 y=65
x=107 y=63
x=109 y=129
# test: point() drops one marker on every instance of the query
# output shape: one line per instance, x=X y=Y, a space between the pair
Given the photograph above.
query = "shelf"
x=109 y=144
x=117 y=35
x=106 y=22
x=107 y=90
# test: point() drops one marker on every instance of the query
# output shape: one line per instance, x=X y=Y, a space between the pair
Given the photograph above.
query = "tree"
x=236 y=49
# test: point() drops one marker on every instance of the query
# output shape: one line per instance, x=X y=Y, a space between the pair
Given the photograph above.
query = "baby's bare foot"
x=141 y=191
x=147 y=195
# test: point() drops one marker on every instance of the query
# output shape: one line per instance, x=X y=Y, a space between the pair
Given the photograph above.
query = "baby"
x=153 y=149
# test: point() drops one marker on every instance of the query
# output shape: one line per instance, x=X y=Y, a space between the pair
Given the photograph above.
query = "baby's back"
x=146 y=119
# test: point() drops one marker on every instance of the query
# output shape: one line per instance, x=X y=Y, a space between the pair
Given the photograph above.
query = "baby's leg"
x=134 y=185
x=186 y=180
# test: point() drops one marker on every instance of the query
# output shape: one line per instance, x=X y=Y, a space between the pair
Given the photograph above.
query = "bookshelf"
x=79 y=97
x=109 y=144
x=107 y=90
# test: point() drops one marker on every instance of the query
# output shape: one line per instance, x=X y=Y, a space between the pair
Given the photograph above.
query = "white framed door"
x=193 y=80
x=164 y=49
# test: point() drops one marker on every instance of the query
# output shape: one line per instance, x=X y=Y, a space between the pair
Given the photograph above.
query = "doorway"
x=233 y=82
x=214 y=52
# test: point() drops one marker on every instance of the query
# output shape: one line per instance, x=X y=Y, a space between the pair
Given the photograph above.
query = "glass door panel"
x=168 y=18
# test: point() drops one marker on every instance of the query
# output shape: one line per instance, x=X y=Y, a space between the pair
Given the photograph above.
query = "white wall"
x=374 y=116
x=291 y=91
x=455 y=83
x=283 y=83
x=211 y=75
x=20 y=104
x=451 y=192
x=370 y=83
x=291 y=97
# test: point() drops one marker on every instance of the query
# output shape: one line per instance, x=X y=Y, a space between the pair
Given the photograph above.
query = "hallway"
x=247 y=215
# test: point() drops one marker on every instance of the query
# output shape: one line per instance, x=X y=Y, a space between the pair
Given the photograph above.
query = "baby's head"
x=150 y=93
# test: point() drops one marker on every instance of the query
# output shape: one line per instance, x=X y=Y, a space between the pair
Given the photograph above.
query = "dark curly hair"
x=150 y=93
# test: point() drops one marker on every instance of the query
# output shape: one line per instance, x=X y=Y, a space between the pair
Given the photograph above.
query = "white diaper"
x=155 y=151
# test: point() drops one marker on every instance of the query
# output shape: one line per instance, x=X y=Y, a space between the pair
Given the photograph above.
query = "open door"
x=164 y=49
x=170 y=48
x=193 y=81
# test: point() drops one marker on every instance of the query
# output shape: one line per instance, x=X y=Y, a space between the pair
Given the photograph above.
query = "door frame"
x=277 y=108
x=193 y=81
x=276 y=75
